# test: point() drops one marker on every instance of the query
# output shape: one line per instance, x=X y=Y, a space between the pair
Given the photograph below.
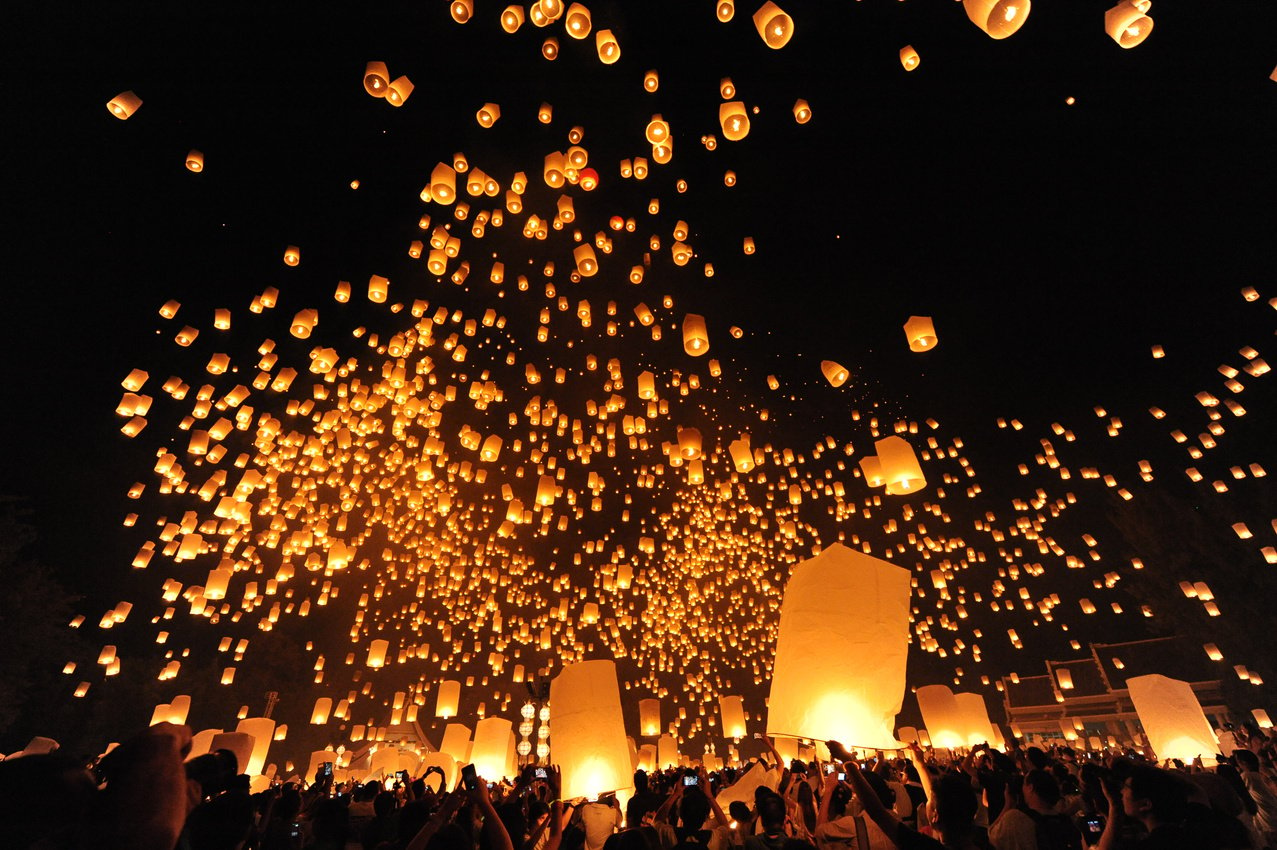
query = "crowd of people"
x=146 y=795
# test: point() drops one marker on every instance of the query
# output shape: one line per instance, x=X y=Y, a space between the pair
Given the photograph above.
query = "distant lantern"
x=589 y=732
x=726 y=88
x=512 y=18
x=377 y=653
x=734 y=120
x=577 y=21
x=378 y=289
x=921 y=333
x=726 y=10
x=443 y=184
x=323 y=706
x=775 y=27
x=649 y=717
x=304 y=322
x=399 y=91
x=1127 y=24
x=841 y=650
x=462 y=10
x=689 y=443
x=651 y=81
x=900 y=469
x=195 y=161
x=695 y=335
x=292 y=255
x=447 y=699
x=909 y=57
x=835 y=373
x=608 y=47
x=748 y=245
x=550 y=50
x=123 y=105
x=586 y=262
x=1172 y=718
x=998 y=18
x=802 y=111
x=658 y=130
x=376 y=79
x=488 y=114
x=742 y=457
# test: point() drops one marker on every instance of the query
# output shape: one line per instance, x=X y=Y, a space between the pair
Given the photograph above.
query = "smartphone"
x=326 y=769
x=469 y=778
x=541 y=773
x=1093 y=827
x=758 y=736
x=842 y=777
x=691 y=780
x=403 y=776
x=830 y=768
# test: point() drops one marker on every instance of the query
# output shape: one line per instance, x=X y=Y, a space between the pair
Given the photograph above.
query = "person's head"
x=771 y=811
x=955 y=805
x=1036 y=758
x=640 y=781
x=693 y=808
x=880 y=788
x=1153 y=795
x=738 y=810
x=1246 y=761
x=638 y=808
x=1041 y=790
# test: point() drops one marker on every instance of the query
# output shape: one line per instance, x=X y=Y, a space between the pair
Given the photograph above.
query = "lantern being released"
x=1172 y=718
x=490 y=751
x=943 y=716
x=841 y=650
x=589 y=732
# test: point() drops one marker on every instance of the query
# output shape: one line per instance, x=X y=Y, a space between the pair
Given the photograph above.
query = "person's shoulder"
x=907 y=838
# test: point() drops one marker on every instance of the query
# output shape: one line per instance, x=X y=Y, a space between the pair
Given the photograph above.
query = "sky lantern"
x=775 y=27
x=323 y=707
x=292 y=255
x=726 y=88
x=658 y=130
x=667 y=751
x=726 y=10
x=195 y=161
x=921 y=333
x=123 y=105
x=975 y=718
x=577 y=21
x=262 y=731
x=400 y=89
x=462 y=10
x=1127 y=23
x=695 y=335
x=550 y=50
x=998 y=18
x=734 y=120
x=909 y=57
x=689 y=443
x=731 y=710
x=1172 y=718
x=742 y=457
x=443 y=184
x=377 y=653
x=304 y=322
x=651 y=81
x=841 y=650
x=489 y=753
x=512 y=18
x=835 y=373
x=488 y=114
x=589 y=732
x=376 y=79
x=447 y=698
x=901 y=471
x=942 y=715
x=649 y=717
x=871 y=468
x=586 y=262
x=456 y=742
x=608 y=47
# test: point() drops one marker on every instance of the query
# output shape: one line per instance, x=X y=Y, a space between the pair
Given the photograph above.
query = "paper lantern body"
x=446 y=763
x=649 y=717
x=920 y=331
x=456 y=742
x=734 y=120
x=835 y=373
x=901 y=471
x=123 y=105
x=975 y=719
x=447 y=699
x=1172 y=718
x=695 y=335
x=943 y=716
x=841 y=650
x=377 y=653
x=376 y=79
x=589 y=731
x=998 y=18
x=667 y=752
x=1127 y=24
x=491 y=747
x=732 y=712
x=262 y=731
x=775 y=27
x=239 y=743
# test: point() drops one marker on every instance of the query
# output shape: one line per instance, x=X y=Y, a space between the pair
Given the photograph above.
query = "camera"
x=541 y=773
x=691 y=779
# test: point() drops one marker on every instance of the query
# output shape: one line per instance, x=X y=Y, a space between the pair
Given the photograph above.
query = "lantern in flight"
x=921 y=333
x=775 y=27
x=695 y=335
x=998 y=18
x=123 y=105
x=1127 y=23
x=589 y=732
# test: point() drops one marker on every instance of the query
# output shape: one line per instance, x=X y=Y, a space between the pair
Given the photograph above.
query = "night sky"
x=1053 y=245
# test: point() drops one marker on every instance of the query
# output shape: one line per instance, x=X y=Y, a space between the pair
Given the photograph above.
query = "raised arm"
x=878 y=813
x=719 y=817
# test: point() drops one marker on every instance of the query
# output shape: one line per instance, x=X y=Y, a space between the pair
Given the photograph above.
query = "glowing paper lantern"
x=695 y=335
x=195 y=161
x=649 y=717
x=841 y=650
x=921 y=333
x=732 y=712
x=376 y=79
x=775 y=27
x=447 y=699
x=667 y=752
x=734 y=120
x=462 y=10
x=262 y=731
x=399 y=90
x=512 y=18
x=490 y=750
x=975 y=719
x=608 y=47
x=943 y=716
x=577 y=21
x=239 y=743
x=456 y=742
x=377 y=653
x=726 y=10
x=292 y=255
x=1127 y=24
x=1172 y=718
x=323 y=707
x=835 y=373
x=802 y=113
x=909 y=57
x=998 y=18
x=488 y=114
x=901 y=471
x=589 y=732
x=123 y=105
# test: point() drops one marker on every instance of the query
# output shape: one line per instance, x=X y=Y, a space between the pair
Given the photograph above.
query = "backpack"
x=1055 y=832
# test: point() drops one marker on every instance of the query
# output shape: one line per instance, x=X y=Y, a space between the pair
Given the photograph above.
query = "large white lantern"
x=1172 y=718
x=943 y=716
x=262 y=729
x=589 y=730
x=975 y=719
x=841 y=650
x=491 y=748
x=456 y=743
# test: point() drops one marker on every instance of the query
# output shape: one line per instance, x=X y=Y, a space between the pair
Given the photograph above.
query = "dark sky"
x=1052 y=243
